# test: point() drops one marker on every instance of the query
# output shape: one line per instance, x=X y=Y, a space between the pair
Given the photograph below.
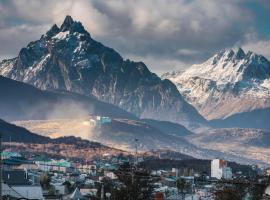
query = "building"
x=103 y=120
x=9 y=154
x=267 y=171
x=227 y=173
x=110 y=175
x=219 y=169
x=18 y=184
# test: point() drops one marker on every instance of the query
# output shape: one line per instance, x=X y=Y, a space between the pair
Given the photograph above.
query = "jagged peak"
x=68 y=22
x=68 y=25
x=240 y=54
x=223 y=54
x=53 y=31
x=73 y=26
x=230 y=54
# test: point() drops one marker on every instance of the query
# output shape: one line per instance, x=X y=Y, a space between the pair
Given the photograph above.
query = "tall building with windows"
x=219 y=169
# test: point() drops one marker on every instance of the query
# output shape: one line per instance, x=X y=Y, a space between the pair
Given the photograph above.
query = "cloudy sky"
x=166 y=35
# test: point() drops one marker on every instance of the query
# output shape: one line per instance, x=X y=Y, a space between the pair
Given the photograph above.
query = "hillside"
x=20 y=101
x=21 y=140
x=168 y=127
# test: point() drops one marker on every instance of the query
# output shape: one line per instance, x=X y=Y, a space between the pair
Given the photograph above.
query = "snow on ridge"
x=61 y=35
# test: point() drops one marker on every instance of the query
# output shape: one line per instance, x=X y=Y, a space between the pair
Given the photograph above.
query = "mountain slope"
x=168 y=127
x=249 y=143
x=227 y=84
x=19 y=139
x=14 y=133
x=20 y=101
x=18 y=134
x=121 y=134
x=258 y=118
x=67 y=58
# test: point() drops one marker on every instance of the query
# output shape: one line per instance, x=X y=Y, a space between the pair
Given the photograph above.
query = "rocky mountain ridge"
x=68 y=58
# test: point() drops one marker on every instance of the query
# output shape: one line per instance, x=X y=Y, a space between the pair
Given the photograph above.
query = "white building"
x=110 y=175
x=220 y=170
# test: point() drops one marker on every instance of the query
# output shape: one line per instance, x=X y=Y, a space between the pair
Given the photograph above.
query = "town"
x=129 y=177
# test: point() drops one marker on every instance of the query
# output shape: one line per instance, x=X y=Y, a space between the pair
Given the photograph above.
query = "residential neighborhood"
x=42 y=177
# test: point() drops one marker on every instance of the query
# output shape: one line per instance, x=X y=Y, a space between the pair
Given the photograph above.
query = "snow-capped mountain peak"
x=227 y=79
x=67 y=58
x=68 y=26
x=229 y=66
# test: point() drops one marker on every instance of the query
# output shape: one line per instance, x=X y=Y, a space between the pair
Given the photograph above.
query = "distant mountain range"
x=231 y=88
x=68 y=75
x=68 y=59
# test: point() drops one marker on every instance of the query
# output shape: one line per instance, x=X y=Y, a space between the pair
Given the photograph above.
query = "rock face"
x=227 y=84
x=67 y=58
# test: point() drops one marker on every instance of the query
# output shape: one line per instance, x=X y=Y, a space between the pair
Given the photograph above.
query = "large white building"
x=219 y=169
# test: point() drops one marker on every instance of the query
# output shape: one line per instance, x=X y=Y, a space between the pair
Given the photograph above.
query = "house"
x=43 y=163
x=9 y=154
x=76 y=195
x=110 y=175
x=19 y=184
x=267 y=171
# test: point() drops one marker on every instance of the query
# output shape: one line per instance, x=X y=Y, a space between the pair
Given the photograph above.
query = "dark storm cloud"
x=165 y=34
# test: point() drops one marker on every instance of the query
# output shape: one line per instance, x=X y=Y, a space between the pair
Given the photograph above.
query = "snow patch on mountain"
x=61 y=35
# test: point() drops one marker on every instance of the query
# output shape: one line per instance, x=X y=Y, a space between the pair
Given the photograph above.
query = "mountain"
x=228 y=84
x=242 y=142
x=18 y=134
x=20 y=101
x=68 y=58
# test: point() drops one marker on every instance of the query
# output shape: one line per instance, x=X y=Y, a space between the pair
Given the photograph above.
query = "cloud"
x=261 y=47
x=13 y=38
x=181 y=31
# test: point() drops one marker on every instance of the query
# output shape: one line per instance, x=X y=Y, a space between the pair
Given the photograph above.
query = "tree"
x=137 y=183
x=182 y=186
x=45 y=180
x=227 y=194
x=107 y=184
x=257 y=191
x=69 y=186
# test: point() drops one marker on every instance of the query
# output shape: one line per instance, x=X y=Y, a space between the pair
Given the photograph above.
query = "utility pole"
x=102 y=192
x=136 y=151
